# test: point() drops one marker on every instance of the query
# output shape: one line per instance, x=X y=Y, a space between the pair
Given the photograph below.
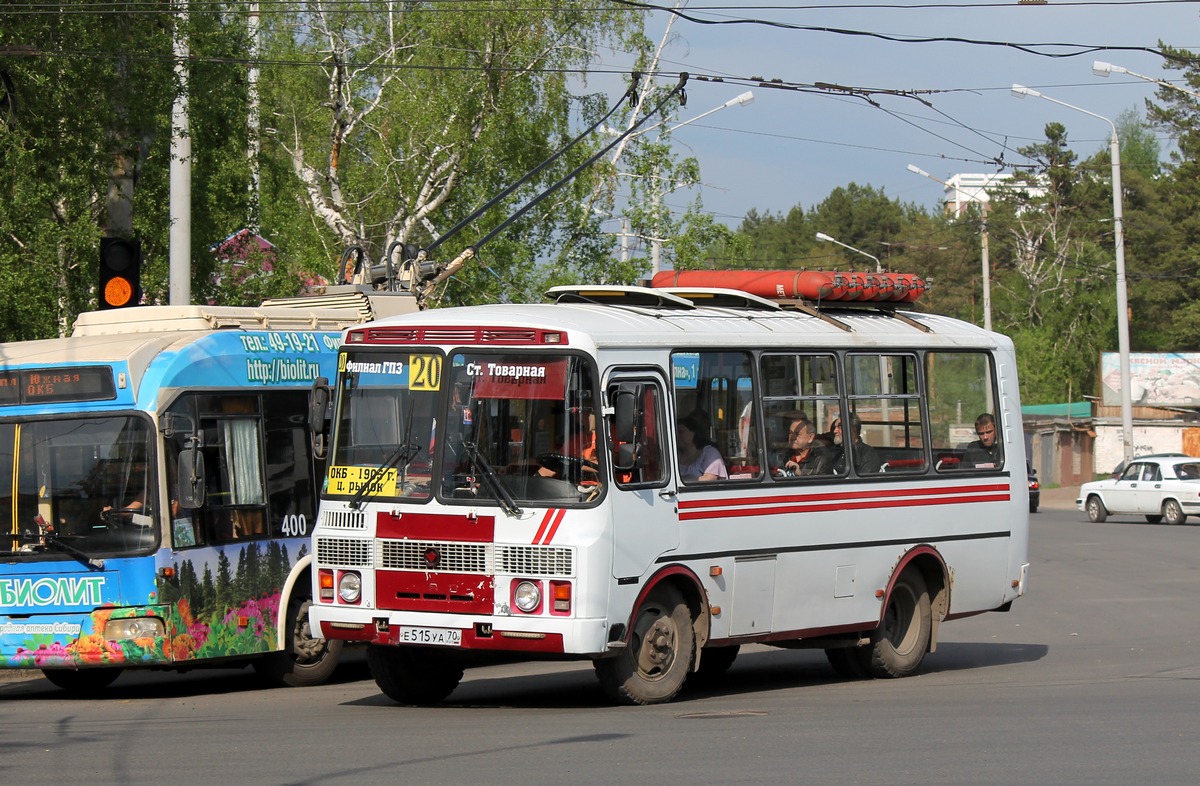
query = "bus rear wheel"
x=85 y=681
x=899 y=644
x=662 y=644
x=847 y=663
x=414 y=675
x=305 y=660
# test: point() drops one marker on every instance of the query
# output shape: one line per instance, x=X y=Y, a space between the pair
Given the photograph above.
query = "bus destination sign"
x=50 y=385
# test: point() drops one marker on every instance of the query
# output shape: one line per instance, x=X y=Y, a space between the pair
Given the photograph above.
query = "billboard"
x=1157 y=379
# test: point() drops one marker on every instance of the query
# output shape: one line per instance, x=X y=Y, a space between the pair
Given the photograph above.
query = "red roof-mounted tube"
x=815 y=285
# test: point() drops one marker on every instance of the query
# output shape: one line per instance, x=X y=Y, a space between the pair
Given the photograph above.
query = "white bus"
x=504 y=479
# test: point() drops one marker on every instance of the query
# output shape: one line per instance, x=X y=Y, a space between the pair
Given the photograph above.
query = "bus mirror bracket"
x=318 y=416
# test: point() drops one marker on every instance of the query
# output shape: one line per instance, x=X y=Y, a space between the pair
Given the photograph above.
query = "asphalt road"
x=1094 y=678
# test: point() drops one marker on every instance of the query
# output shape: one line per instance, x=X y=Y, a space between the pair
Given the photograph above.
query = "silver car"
x=1159 y=488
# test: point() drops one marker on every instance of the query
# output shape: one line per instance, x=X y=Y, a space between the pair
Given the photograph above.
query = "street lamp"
x=657 y=241
x=1101 y=68
x=1119 y=241
x=983 y=241
x=827 y=239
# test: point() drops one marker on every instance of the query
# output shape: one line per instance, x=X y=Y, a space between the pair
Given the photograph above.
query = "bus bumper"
x=539 y=635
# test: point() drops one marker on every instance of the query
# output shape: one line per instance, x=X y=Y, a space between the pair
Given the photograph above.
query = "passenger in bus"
x=984 y=452
x=866 y=458
x=802 y=456
x=699 y=458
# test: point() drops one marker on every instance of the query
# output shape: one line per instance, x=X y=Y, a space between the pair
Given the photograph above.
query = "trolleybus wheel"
x=899 y=644
x=1095 y=510
x=84 y=681
x=414 y=675
x=305 y=660
x=653 y=667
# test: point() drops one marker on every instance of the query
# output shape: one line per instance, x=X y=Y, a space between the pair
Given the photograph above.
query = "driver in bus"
x=580 y=443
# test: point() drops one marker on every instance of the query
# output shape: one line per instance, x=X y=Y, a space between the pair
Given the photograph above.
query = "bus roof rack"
x=609 y=294
x=718 y=297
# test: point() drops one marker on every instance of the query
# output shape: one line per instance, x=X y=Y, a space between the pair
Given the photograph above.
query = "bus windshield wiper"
x=493 y=483
x=52 y=542
x=405 y=451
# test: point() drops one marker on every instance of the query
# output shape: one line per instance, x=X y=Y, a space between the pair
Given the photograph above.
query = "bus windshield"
x=521 y=426
x=386 y=430
x=514 y=427
x=79 y=485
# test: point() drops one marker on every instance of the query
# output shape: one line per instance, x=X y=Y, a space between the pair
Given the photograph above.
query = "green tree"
x=398 y=120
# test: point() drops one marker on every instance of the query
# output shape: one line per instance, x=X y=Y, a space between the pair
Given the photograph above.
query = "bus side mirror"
x=626 y=423
x=191 y=479
x=318 y=422
x=624 y=414
x=626 y=458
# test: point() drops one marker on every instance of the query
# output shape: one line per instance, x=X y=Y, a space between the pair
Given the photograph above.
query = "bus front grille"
x=344 y=552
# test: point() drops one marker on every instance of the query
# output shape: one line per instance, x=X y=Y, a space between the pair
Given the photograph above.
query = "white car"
x=1159 y=488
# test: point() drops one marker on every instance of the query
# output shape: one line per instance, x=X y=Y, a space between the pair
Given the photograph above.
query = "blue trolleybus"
x=157 y=492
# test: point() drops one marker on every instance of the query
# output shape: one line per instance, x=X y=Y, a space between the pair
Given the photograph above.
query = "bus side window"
x=959 y=386
x=235 y=505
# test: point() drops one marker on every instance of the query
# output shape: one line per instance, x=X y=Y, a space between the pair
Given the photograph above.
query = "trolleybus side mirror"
x=318 y=408
x=191 y=478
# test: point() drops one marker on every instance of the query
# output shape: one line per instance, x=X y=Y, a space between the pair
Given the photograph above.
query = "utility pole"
x=180 y=286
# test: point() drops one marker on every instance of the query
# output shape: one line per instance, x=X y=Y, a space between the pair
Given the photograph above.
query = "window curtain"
x=241 y=446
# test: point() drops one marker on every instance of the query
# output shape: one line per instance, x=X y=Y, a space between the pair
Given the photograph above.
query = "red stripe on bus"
x=537 y=537
x=554 y=527
x=872 y=493
x=747 y=512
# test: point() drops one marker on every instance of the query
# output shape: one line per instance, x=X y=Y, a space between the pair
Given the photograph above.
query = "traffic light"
x=120 y=272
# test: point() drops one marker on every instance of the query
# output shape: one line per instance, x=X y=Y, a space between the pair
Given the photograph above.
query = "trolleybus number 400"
x=446 y=637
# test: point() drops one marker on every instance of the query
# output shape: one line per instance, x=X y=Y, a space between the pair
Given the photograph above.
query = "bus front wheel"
x=305 y=660
x=899 y=644
x=85 y=681
x=414 y=675
x=662 y=643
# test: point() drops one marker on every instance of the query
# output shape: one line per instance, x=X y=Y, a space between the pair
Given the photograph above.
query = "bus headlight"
x=527 y=596
x=134 y=628
x=350 y=587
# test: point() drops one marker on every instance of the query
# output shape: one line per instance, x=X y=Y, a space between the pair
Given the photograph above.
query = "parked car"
x=1120 y=468
x=1035 y=488
x=1159 y=488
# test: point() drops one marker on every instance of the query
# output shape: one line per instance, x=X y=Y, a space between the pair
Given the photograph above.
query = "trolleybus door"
x=643 y=503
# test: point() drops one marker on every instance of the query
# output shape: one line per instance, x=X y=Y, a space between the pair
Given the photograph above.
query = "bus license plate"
x=446 y=637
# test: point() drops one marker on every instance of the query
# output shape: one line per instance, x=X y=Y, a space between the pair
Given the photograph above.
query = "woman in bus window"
x=699 y=458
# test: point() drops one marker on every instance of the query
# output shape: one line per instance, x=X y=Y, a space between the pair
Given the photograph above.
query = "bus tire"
x=900 y=642
x=413 y=675
x=847 y=663
x=1095 y=510
x=81 y=682
x=662 y=644
x=305 y=660
x=714 y=662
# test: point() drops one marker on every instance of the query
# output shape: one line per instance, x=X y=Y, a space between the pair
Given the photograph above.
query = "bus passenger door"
x=645 y=524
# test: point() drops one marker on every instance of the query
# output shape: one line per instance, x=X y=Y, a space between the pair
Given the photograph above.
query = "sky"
x=793 y=147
